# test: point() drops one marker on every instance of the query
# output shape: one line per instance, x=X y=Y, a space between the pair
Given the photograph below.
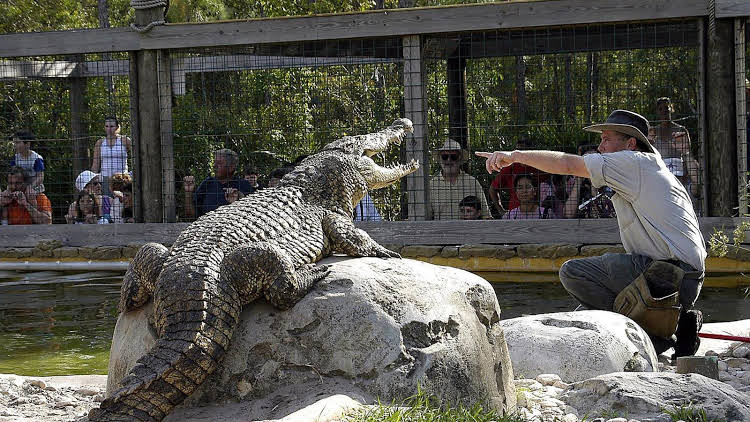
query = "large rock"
x=739 y=328
x=374 y=328
x=577 y=345
x=643 y=396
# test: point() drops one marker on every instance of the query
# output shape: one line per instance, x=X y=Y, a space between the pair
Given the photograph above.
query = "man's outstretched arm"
x=548 y=161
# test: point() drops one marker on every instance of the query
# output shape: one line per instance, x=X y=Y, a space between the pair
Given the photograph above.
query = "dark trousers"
x=596 y=281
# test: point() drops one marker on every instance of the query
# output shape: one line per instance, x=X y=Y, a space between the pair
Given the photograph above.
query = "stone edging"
x=494 y=262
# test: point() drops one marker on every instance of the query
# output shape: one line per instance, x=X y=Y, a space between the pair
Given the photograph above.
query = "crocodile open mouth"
x=394 y=134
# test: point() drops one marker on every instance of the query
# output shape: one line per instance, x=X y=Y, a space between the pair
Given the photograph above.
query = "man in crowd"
x=672 y=140
x=20 y=204
x=451 y=185
x=658 y=227
x=28 y=159
x=221 y=189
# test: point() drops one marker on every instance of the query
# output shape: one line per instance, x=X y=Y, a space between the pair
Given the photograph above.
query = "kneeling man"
x=657 y=282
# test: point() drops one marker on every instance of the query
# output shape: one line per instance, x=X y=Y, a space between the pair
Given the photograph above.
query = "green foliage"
x=424 y=408
x=689 y=413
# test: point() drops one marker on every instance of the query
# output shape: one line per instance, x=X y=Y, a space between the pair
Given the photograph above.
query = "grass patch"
x=689 y=413
x=424 y=408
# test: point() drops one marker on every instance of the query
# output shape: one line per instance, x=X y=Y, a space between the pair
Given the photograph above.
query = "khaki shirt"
x=654 y=211
x=444 y=197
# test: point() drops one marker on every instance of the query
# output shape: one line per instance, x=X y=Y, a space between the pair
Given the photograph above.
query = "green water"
x=55 y=323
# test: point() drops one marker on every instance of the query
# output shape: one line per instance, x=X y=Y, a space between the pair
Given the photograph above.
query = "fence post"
x=167 y=148
x=417 y=183
x=456 y=72
x=149 y=135
x=78 y=109
x=721 y=138
x=739 y=81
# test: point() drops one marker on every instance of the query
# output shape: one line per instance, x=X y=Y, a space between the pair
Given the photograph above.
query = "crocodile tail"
x=193 y=342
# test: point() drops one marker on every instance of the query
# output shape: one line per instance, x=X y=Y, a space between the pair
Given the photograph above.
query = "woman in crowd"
x=528 y=207
x=118 y=181
x=111 y=153
x=127 y=203
x=86 y=210
x=89 y=181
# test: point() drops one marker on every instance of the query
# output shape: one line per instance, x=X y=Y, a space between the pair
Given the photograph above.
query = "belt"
x=682 y=264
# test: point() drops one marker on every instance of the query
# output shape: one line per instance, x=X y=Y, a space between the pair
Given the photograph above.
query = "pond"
x=56 y=323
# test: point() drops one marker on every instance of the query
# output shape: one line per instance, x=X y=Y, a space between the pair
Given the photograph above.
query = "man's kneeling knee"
x=652 y=299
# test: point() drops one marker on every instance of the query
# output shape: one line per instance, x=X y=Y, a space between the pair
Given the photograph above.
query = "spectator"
x=528 y=201
x=111 y=153
x=275 y=178
x=118 y=181
x=471 y=208
x=583 y=200
x=91 y=183
x=366 y=211
x=86 y=210
x=127 y=204
x=28 y=159
x=451 y=185
x=503 y=181
x=673 y=142
x=221 y=189
x=251 y=175
x=20 y=204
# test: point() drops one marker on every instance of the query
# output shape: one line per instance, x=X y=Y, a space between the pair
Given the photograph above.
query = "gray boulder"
x=644 y=396
x=739 y=328
x=577 y=345
x=373 y=328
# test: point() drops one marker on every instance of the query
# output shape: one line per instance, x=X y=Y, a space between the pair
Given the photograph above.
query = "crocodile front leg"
x=265 y=269
x=346 y=238
x=140 y=279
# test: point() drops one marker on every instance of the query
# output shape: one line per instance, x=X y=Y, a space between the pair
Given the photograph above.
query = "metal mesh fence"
x=537 y=89
x=273 y=103
x=56 y=107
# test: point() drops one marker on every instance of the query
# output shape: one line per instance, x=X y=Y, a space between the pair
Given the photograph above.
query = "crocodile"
x=264 y=245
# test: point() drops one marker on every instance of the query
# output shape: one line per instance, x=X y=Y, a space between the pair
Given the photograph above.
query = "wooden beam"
x=78 y=111
x=167 y=144
x=68 y=42
x=149 y=130
x=378 y=23
x=415 y=107
x=35 y=69
x=239 y=62
x=456 y=232
x=17 y=69
x=732 y=8
x=741 y=120
x=721 y=170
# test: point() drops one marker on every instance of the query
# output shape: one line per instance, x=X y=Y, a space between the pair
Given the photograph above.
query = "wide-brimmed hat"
x=451 y=145
x=84 y=178
x=629 y=123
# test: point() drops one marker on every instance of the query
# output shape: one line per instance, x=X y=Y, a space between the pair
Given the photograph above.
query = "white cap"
x=84 y=178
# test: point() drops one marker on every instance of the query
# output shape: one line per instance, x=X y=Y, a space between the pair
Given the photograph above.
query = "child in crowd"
x=470 y=208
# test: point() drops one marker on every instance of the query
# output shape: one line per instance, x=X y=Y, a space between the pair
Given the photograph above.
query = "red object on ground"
x=724 y=337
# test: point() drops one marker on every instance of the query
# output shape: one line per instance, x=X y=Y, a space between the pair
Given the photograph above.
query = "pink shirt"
x=517 y=214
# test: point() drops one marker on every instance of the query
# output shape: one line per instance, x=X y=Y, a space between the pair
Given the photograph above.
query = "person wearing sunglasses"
x=90 y=182
x=452 y=184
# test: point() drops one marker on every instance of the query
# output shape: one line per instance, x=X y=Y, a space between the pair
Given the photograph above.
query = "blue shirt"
x=210 y=193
